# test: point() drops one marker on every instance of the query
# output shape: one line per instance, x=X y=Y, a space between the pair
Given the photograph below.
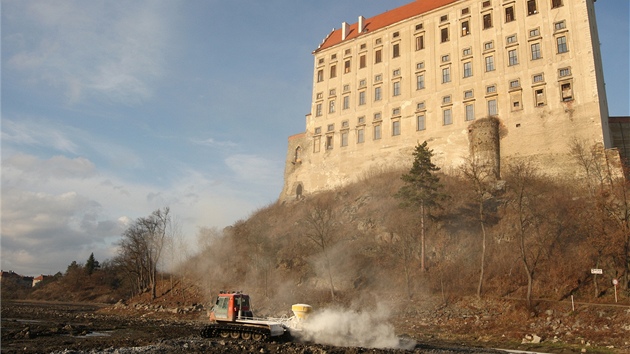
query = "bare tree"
x=481 y=180
x=141 y=248
x=610 y=203
x=321 y=229
x=402 y=243
x=537 y=208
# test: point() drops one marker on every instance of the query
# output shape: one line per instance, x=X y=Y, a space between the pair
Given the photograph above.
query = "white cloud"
x=95 y=48
x=255 y=169
x=62 y=209
x=30 y=132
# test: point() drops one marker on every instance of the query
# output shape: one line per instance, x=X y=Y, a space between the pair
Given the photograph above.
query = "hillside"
x=357 y=251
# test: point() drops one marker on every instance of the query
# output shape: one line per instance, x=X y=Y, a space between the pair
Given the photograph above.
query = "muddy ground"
x=37 y=327
x=40 y=327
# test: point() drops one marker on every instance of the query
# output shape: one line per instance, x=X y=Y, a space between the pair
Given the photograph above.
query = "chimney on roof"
x=361 y=23
x=345 y=28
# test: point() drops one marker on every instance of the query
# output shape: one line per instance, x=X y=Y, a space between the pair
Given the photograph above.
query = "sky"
x=113 y=109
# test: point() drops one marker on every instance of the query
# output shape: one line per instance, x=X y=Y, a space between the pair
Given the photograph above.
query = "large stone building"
x=436 y=71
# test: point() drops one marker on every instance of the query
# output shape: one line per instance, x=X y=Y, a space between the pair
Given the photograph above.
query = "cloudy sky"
x=113 y=109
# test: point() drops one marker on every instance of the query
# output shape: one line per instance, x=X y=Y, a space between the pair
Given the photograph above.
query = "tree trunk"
x=330 y=278
x=483 y=260
x=422 y=240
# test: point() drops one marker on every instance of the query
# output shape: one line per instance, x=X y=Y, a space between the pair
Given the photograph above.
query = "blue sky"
x=113 y=109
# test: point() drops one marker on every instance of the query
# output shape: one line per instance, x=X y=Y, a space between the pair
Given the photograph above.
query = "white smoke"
x=347 y=328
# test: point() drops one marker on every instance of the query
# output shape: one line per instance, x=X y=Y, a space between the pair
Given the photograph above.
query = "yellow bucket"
x=301 y=311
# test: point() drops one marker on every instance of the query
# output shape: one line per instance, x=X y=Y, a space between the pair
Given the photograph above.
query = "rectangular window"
x=446 y=75
x=539 y=97
x=320 y=75
x=318 y=110
x=539 y=78
x=331 y=106
x=486 y=3
x=489 y=63
x=397 y=88
x=536 y=53
x=330 y=128
x=470 y=112
x=396 y=112
x=420 y=106
x=509 y=14
x=515 y=84
x=512 y=57
x=531 y=7
x=346 y=66
x=346 y=102
x=377 y=132
x=362 y=98
x=492 y=108
x=467 y=52
x=511 y=39
x=378 y=93
x=564 y=72
x=535 y=32
x=559 y=25
x=420 y=82
x=488 y=45
x=446 y=58
x=567 y=92
x=362 y=61
x=419 y=42
x=562 y=44
x=360 y=135
x=446 y=99
x=465 y=28
x=377 y=116
x=468 y=94
x=378 y=56
x=447 y=117
x=444 y=35
x=491 y=89
x=362 y=83
x=420 y=122
x=329 y=142
x=468 y=69
x=396 y=127
x=344 y=138
x=333 y=71
x=396 y=50
x=487 y=21
x=556 y=3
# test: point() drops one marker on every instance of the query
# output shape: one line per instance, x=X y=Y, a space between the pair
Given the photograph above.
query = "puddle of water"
x=98 y=334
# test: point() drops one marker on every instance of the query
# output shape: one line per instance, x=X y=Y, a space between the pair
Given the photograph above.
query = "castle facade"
x=516 y=79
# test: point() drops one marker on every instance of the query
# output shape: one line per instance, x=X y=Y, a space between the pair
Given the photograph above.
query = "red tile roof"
x=383 y=20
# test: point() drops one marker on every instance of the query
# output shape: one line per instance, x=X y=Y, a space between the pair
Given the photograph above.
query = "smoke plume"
x=347 y=328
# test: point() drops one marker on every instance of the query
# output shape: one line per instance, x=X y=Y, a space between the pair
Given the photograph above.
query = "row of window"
x=566 y=94
x=444 y=37
x=420 y=84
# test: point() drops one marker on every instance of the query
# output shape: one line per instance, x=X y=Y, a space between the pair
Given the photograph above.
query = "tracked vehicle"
x=232 y=317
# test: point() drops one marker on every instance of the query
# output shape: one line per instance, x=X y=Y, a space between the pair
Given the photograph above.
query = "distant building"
x=41 y=278
x=499 y=79
x=11 y=276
